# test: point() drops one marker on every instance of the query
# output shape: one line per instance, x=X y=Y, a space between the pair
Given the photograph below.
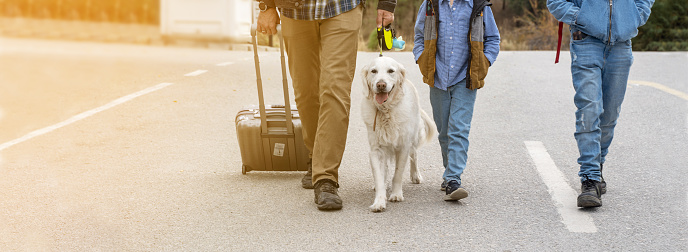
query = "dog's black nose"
x=381 y=85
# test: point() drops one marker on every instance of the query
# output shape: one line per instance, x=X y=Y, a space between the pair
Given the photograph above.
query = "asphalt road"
x=107 y=147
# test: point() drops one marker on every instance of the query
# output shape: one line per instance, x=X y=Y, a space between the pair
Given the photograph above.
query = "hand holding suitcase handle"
x=264 y=125
x=254 y=27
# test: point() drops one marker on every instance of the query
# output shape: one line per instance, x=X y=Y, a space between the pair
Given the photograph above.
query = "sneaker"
x=326 y=195
x=454 y=191
x=591 y=194
x=307 y=180
x=443 y=186
x=603 y=185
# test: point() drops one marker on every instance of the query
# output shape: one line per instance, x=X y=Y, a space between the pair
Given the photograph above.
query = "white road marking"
x=563 y=195
x=661 y=87
x=225 y=64
x=196 y=73
x=82 y=115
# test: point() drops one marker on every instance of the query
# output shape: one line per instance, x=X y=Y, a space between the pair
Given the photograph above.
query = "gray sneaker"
x=454 y=191
x=443 y=186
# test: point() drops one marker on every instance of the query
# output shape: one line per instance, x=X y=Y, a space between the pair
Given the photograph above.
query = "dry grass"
x=535 y=30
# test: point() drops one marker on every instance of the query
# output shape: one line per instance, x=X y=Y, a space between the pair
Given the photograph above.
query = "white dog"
x=396 y=124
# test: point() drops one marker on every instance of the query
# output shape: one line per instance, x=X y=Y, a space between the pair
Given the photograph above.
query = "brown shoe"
x=307 y=180
x=326 y=195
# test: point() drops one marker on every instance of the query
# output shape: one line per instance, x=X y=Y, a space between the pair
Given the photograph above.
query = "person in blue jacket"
x=452 y=100
x=601 y=58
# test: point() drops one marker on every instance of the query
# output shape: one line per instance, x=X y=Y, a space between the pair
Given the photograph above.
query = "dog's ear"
x=367 y=91
x=402 y=70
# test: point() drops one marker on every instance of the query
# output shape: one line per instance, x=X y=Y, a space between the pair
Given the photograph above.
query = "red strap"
x=561 y=26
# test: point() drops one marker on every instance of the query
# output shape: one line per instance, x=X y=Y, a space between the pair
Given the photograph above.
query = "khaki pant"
x=322 y=63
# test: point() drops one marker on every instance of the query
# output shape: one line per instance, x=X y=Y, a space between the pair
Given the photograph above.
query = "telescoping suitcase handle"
x=287 y=106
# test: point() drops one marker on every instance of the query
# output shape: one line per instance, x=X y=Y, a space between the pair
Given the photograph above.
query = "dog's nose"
x=381 y=85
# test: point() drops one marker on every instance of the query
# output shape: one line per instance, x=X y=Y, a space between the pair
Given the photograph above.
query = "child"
x=455 y=43
x=601 y=56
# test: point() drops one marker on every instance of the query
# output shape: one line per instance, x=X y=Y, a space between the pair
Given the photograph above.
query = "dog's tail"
x=430 y=128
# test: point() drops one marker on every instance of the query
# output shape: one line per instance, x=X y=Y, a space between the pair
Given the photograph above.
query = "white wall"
x=207 y=19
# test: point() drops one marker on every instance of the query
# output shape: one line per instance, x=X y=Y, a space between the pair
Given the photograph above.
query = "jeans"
x=600 y=75
x=453 y=110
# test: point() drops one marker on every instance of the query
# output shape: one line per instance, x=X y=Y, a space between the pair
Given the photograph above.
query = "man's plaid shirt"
x=324 y=9
x=320 y=9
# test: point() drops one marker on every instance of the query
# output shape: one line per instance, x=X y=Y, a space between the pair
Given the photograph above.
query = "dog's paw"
x=394 y=197
x=416 y=178
x=378 y=206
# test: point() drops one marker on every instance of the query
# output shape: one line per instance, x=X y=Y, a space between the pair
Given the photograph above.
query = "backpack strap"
x=436 y=11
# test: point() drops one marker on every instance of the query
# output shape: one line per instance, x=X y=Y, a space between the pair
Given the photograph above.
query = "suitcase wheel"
x=244 y=169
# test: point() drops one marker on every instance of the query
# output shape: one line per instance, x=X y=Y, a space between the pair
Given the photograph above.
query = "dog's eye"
x=390 y=71
x=373 y=71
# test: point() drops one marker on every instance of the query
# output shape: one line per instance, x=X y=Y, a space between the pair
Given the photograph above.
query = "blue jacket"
x=612 y=21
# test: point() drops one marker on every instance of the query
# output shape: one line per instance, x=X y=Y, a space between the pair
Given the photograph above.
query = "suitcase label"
x=279 y=150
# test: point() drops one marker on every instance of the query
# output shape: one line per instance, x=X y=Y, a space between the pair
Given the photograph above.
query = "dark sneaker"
x=443 y=186
x=454 y=191
x=326 y=195
x=307 y=180
x=591 y=194
x=603 y=185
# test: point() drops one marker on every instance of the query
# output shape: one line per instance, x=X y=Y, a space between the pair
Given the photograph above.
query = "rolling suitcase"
x=269 y=137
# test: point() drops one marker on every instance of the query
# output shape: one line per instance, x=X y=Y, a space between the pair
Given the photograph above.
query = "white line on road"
x=225 y=64
x=661 y=87
x=82 y=115
x=196 y=73
x=563 y=195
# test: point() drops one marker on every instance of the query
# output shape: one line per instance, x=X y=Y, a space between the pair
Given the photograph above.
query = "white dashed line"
x=196 y=73
x=563 y=195
x=225 y=64
x=82 y=115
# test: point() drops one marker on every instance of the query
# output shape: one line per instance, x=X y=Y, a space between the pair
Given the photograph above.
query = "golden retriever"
x=396 y=125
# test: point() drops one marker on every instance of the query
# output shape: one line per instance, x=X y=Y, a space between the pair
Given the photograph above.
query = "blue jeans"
x=453 y=110
x=600 y=75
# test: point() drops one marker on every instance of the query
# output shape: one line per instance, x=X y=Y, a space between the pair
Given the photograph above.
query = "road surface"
x=133 y=148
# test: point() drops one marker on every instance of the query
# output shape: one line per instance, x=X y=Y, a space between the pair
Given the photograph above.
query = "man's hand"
x=383 y=15
x=267 y=21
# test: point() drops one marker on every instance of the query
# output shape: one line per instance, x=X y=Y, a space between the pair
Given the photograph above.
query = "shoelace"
x=328 y=187
x=451 y=186
x=588 y=183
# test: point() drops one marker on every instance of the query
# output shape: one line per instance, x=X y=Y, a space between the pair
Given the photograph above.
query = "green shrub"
x=372 y=42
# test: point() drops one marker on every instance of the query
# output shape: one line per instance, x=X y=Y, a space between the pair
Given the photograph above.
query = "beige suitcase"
x=269 y=138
